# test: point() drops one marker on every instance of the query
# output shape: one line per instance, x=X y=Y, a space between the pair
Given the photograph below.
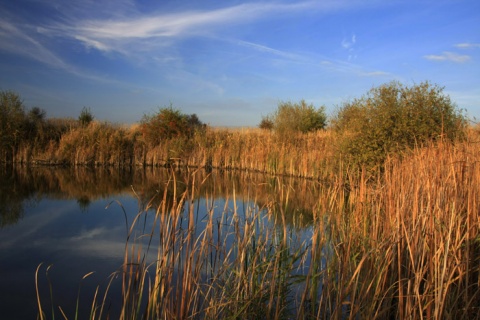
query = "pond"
x=73 y=232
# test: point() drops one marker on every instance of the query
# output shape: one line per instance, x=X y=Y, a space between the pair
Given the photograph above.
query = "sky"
x=232 y=62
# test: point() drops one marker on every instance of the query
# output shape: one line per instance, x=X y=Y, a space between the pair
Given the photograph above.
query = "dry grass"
x=403 y=244
x=407 y=246
x=103 y=144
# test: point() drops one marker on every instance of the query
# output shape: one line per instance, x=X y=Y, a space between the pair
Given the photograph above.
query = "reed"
x=309 y=155
x=400 y=244
x=407 y=245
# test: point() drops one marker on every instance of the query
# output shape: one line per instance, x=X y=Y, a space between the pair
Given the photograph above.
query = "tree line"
x=388 y=119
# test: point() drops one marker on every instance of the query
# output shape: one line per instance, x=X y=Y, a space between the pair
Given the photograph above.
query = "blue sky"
x=231 y=62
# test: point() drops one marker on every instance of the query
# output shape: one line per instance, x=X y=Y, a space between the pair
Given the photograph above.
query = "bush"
x=266 y=123
x=297 y=117
x=168 y=123
x=85 y=117
x=392 y=118
x=12 y=124
x=35 y=123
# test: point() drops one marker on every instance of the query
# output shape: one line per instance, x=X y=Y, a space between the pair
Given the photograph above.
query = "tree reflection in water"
x=23 y=185
x=38 y=224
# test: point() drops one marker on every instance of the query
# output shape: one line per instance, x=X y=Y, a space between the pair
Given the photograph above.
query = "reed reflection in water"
x=57 y=216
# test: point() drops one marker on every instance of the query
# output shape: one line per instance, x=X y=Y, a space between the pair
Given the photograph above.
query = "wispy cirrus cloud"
x=25 y=41
x=123 y=33
x=125 y=29
x=154 y=37
x=349 y=43
x=269 y=50
x=448 y=56
x=467 y=45
x=19 y=41
x=376 y=74
x=325 y=63
x=159 y=29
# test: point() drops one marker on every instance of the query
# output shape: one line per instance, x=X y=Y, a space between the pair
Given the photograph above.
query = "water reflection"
x=57 y=216
x=86 y=185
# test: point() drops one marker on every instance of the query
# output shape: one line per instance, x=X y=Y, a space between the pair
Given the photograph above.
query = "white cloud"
x=127 y=31
x=448 y=56
x=269 y=50
x=18 y=41
x=27 y=42
x=117 y=34
x=152 y=37
x=348 y=44
x=376 y=74
x=122 y=28
x=90 y=43
x=467 y=45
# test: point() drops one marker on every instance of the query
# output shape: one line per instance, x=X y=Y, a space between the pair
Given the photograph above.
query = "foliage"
x=37 y=114
x=169 y=123
x=392 y=118
x=85 y=117
x=35 y=123
x=22 y=130
x=298 y=117
x=12 y=123
x=266 y=123
x=361 y=137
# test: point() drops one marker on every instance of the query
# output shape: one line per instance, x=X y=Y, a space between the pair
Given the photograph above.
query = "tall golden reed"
x=401 y=244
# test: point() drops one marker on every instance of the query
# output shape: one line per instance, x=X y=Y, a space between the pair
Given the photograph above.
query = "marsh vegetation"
x=387 y=226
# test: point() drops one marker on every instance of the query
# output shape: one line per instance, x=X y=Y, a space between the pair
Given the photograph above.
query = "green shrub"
x=169 y=123
x=297 y=117
x=85 y=117
x=35 y=124
x=266 y=123
x=392 y=118
x=13 y=122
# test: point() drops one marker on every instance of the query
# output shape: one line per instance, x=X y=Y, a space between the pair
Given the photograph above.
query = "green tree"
x=298 y=117
x=169 y=123
x=85 y=117
x=391 y=118
x=12 y=124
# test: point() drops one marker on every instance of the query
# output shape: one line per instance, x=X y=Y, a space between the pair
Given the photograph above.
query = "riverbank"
x=102 y=144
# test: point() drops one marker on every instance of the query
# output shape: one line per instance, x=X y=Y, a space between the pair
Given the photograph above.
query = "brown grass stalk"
x=402 y=244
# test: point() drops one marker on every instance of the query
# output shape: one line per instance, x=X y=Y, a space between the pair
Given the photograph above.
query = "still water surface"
x=76 y=220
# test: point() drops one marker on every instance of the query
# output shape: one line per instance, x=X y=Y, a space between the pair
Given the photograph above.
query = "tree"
x=37 y=114
x=392 y=118
x=35 y=123
x=12 y=123
x=193 y=121
x=298 y=117
x=85 y=117
x=266 y=123
x=169 y=123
